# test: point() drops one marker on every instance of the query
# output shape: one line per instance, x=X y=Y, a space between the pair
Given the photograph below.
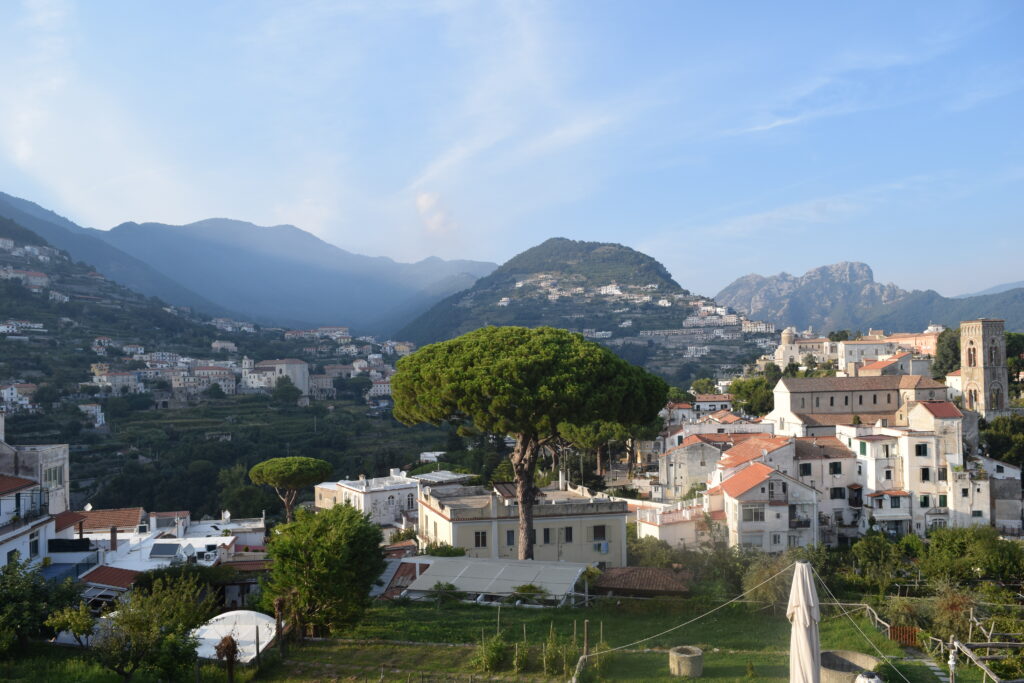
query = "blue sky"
x=720 y=138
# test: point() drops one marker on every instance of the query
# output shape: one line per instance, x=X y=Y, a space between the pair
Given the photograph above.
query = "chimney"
x=113 y=539
x=395 y=472
x=362 y=477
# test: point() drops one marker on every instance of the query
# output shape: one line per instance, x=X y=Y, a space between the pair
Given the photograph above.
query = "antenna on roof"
x=88 y=507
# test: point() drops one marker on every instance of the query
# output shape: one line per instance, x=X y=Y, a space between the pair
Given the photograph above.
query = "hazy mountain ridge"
x=105 y=258
x=846 y=296
x=284 y=275
x=279 y=275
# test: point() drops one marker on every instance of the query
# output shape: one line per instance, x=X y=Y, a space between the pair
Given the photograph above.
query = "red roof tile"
x=180 y=514
x=111 y=576
x=746 y=479
x=819 y=447
x=718 y=398
x=888 y=492
x=752 y=449
x=955 y=373
x=66 y=519
x=644 y=580
x=944 y=410
x=102 y=520
x=12 y=484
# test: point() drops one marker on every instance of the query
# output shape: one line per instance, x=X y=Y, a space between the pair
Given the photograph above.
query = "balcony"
x=28 y=515
x=799 y=524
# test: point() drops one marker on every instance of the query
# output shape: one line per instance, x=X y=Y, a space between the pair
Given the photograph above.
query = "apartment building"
x=568 y=525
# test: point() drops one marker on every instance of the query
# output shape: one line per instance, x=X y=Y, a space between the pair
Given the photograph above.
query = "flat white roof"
x=480 y=575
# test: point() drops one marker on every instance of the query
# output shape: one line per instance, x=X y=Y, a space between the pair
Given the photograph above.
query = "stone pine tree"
x=523 y=383
x=288 y=475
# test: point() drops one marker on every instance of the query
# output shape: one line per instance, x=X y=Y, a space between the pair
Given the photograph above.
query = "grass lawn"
x=731 y=638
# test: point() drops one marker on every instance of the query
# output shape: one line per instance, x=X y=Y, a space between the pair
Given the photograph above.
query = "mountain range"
x=846 y=296
x=278 y=275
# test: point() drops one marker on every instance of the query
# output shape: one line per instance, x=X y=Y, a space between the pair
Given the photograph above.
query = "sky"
x=720 y=138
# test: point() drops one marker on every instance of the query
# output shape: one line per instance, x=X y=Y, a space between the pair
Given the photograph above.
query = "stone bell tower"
x=983 y=366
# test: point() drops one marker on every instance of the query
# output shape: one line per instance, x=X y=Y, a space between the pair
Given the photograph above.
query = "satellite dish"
x=876 y=528
x=88 y=507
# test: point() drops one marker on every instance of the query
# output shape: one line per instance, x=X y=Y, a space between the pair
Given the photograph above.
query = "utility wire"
x=687 y=623
x=855 y=624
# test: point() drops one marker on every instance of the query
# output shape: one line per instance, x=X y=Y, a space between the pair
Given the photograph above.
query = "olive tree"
x=524 y=383
x=288 y=475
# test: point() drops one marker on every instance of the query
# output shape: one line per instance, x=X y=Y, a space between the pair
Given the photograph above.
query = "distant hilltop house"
x=31 y=279
x=16 y=398
x=265 y=374
x=851 y=355
x=220 y=345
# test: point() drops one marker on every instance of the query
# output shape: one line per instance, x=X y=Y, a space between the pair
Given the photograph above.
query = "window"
x=926 y=474
x=964 y=493
x=941 y=476
x=837 y=493
x=410 y=502
x=33 y=544
x=805 y=469
x=817 y=401
x=860 y=400
x=860 y=469
x=831 y=401
x=776 y=539
x=846 y=400
x=975 y=513
x=888 y=398
x=874 y=399
x=391 y=501
x=54 y=476
x=753 y=513
x=547 y=535
x=921 y=449
x=599 y=533
x=999 y=469
x=835 y=468
x=510 y=537
x=863 y=448
x=885 y=451
x=479 y=539
x=942 y=500
x=894 y=502
x=568 y=534
x=923 y=501
x=12 y=555
x=435 y=531
x=888 y=474
x=802 y=402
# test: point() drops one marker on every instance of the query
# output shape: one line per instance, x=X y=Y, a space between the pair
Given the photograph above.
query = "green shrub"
x=521 y=657
x=491 y=654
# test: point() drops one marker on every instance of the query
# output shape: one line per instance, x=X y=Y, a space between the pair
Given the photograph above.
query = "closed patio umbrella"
x=804 y=614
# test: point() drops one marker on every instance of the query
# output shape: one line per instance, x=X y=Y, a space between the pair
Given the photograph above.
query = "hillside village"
x=855 y=437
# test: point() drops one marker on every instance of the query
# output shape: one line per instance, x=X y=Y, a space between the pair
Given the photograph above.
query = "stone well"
x=842 y=666
x=686 y=660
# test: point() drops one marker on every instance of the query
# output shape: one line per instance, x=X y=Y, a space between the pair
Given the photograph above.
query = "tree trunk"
x=524 y=463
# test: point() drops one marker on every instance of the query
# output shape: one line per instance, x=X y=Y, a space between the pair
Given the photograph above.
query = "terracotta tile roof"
x=955 y=373
x=746 y=479
x=752 y=449
x=881 y=383
x=875 y=437
x=717 y=515
x=720 y=441
x=111 y=576
x=66 y=519
x=821 y=447
x=705 y=398
x=944 y=410
x=643 y=580
x=681 y=406
x=12 y=484
x=102 y=520
x=723 y=417
x=888 y=492
x=880 y=364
